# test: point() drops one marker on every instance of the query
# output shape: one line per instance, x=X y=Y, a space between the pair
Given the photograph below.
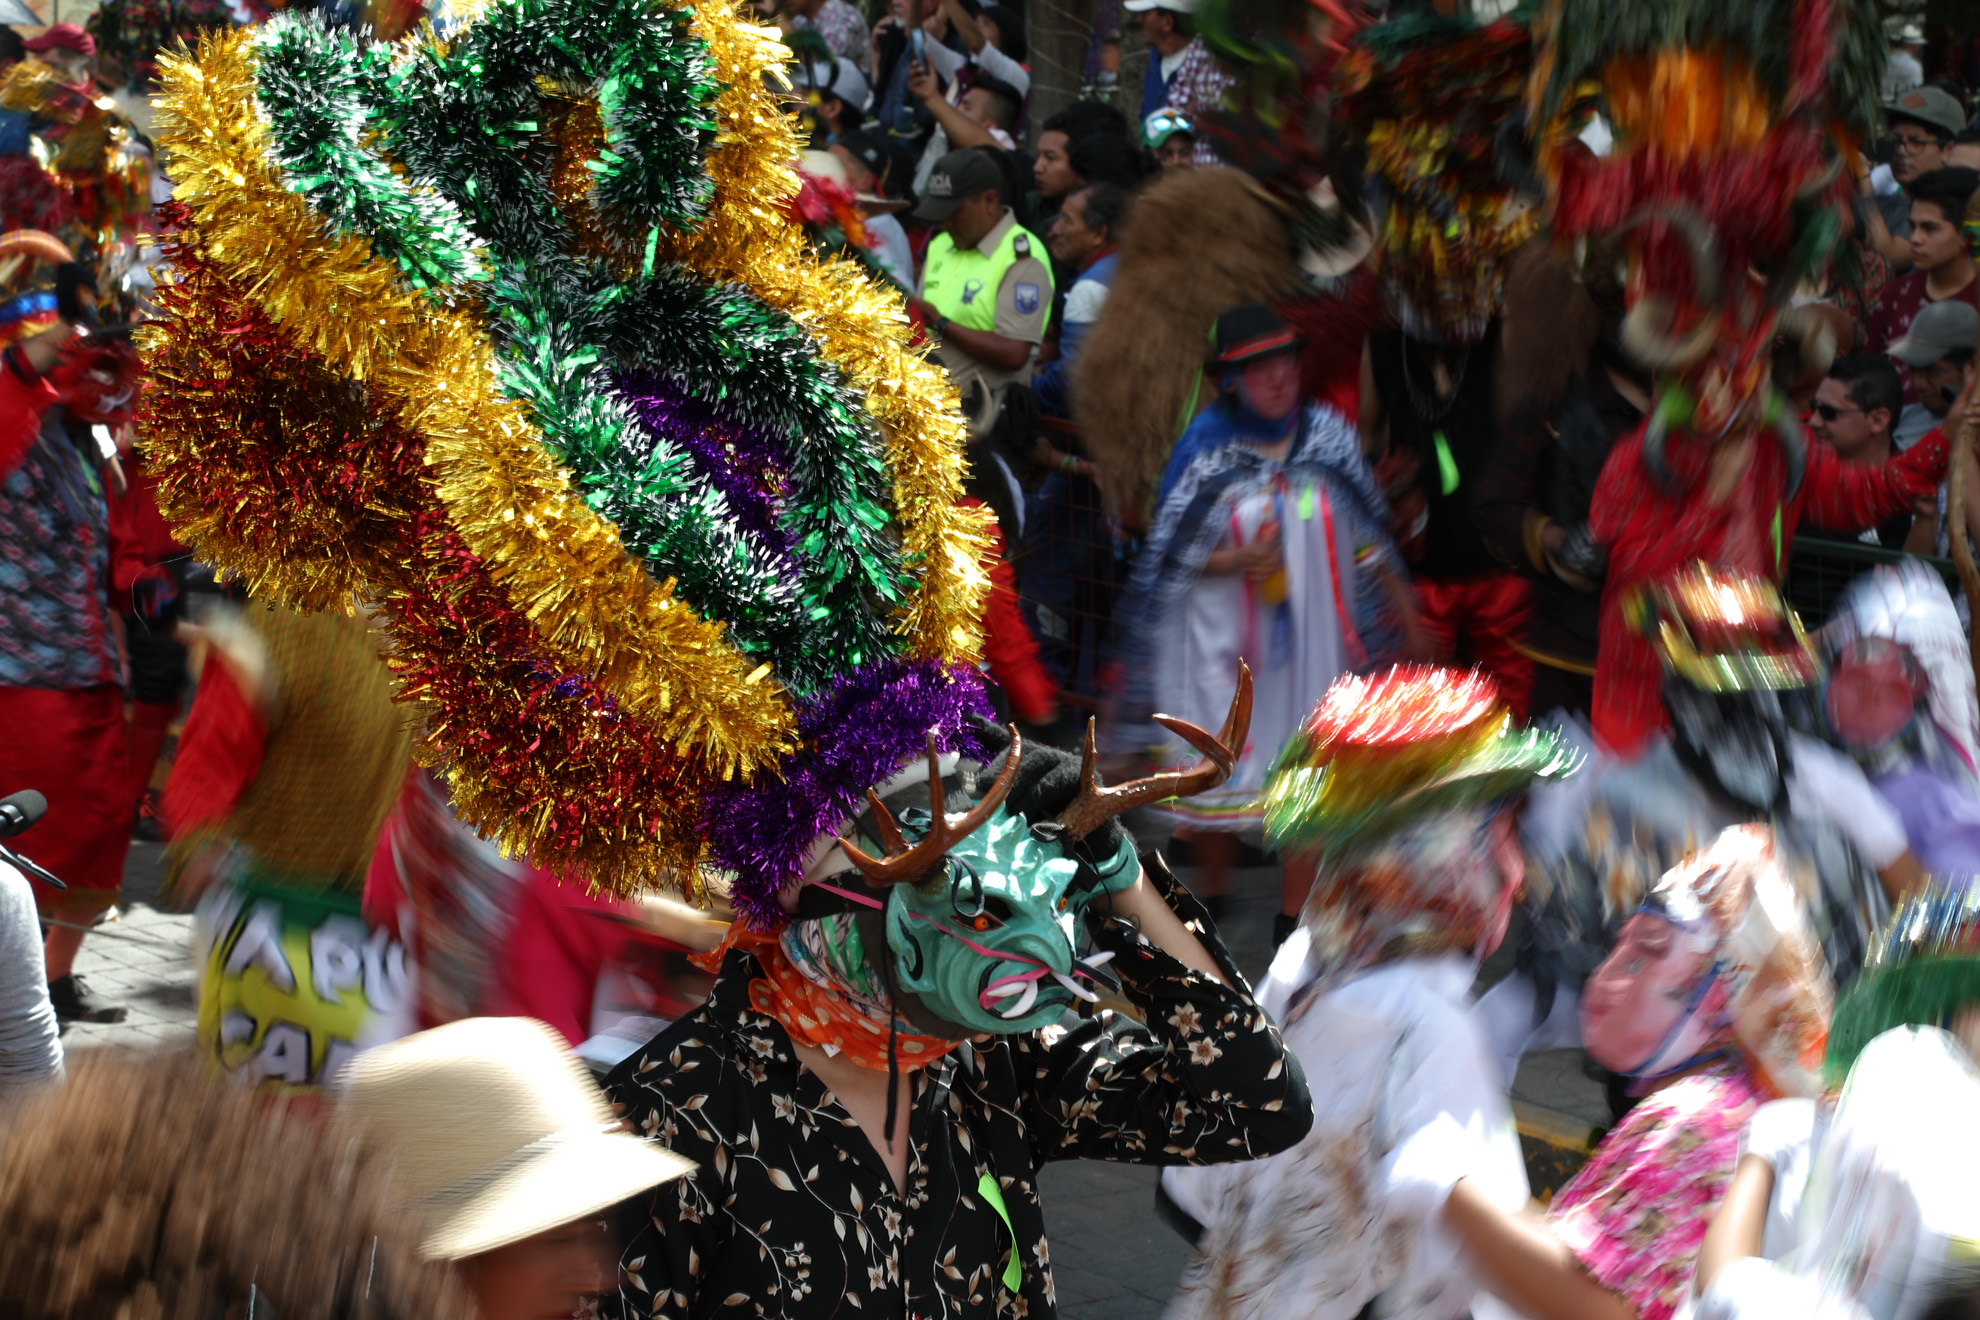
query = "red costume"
x=1651 y=532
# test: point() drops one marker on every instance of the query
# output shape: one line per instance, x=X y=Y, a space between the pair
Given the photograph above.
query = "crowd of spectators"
x=1004 y=233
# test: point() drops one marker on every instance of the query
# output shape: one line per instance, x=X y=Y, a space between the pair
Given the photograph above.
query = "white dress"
x=1406 y=1102
x=1227 y=618
x=1887 y=1213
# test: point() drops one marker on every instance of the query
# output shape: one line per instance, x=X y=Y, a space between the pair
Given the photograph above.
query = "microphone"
x=20 y=811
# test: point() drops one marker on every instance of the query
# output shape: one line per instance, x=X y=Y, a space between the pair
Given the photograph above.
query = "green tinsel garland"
x=469 y=114
x=1924 y=991
x=315 y=87
x=724 y=345
x=549 y=324
x=469 y=120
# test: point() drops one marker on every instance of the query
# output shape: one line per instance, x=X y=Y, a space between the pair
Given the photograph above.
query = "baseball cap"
x=873 y=153
x=1163 y=125
x=840 y=78
x=1937 y=330
x=66 y=35
x=956 y=177
x=1246 y=334
x=1930 y=106
x=1173 y=6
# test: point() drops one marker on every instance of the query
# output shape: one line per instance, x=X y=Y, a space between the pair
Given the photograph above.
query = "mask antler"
x=903 y=864
x=1096 y=805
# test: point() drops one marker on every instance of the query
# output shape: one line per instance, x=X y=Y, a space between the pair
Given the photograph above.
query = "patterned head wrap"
x=1759 y=984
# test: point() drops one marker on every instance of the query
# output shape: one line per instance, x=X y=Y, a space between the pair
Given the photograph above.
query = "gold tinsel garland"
x=515 y=762
x=595 y=607
x=859 y=326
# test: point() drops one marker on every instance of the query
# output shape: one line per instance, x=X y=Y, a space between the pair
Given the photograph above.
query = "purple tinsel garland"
x=851 y=736
x=746 y=464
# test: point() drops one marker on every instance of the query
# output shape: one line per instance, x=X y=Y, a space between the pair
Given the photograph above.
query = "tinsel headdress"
x=83 y=176
x=1923 y=968
x=1432 y=102
x=1732 y=125
x=512 y=333
x=1725 y=632
x=1381 y=751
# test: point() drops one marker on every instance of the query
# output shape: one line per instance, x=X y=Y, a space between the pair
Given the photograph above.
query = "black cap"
x=1246 y=334
x=956 y=178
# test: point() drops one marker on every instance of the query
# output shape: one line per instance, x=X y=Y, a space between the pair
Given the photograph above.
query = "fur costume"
x=1202 y=243
x=142 y=1190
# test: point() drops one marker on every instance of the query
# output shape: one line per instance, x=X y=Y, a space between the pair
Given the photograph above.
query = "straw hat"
x=498 y=1132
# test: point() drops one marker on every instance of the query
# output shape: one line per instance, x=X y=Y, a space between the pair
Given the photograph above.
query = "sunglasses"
x=1828 y=412
x=1914 y=143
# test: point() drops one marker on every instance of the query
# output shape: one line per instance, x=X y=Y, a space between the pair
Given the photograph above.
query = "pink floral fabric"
x=1637 y=1212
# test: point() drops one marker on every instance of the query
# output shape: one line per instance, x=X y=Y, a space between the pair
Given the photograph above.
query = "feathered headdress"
x=1381 y=751
x=1725 y=632
x=1434 y=103
x=1732 y=124
x=1924 y=967
x=512 y=333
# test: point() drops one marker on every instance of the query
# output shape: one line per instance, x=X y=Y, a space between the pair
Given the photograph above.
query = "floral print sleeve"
x=790 y=1212
x=1637 y=1211
x=1207 y=1081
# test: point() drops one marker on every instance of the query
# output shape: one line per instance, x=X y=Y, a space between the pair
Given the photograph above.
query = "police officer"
x=985 y=286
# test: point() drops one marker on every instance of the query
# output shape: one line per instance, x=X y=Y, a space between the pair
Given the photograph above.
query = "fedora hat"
x=498 y=1133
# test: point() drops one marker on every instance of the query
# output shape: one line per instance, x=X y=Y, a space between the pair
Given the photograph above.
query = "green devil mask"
x=981 y=920
x=988 y=941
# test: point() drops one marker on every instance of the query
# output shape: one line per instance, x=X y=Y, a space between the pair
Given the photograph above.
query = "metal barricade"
x=1819 y=569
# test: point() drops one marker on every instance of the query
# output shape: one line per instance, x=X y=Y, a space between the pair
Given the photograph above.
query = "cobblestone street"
x=142 y=960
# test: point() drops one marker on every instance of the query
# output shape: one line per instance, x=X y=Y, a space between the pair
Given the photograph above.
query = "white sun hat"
x=498 y=1133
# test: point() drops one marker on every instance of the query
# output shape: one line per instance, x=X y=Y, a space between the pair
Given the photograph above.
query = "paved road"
x=1112 y=1258
x=141 y=959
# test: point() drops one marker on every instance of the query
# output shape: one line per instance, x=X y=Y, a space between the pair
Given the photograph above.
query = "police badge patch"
x=1026 y=296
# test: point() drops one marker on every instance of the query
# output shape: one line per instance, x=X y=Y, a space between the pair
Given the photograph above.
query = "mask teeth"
x=1100 y=959
x=1076 y=987
x=1023 y=1005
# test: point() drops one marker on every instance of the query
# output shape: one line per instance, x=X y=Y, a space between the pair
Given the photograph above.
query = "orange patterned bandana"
x=821 y=1014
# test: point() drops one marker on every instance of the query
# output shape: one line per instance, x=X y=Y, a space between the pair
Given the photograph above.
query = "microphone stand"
x=22 y=864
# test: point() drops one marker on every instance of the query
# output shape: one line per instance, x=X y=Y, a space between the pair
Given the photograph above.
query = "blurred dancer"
x=1900 y=699
x=1714 y=1000
x=1865 y=1205
x=61 y=669
x=497 y=936
x=1268 y=548
x=1402 y=786
x=1733 y=655
x=291 y=757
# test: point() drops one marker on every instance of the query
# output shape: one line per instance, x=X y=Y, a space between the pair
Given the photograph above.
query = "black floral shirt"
x=792 y=1213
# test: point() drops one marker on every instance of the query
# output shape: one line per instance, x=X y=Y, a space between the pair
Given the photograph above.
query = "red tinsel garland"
x=265 y=443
